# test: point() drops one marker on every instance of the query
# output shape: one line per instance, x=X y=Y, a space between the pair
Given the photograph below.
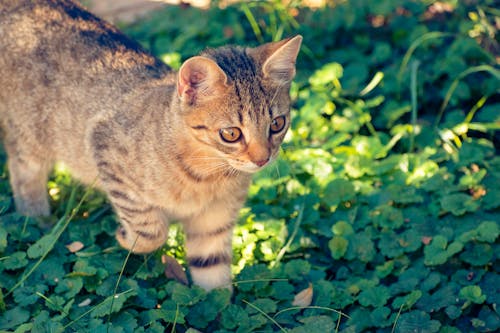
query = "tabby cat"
x=163 y=145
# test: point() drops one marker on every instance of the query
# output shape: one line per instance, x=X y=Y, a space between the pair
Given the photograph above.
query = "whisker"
x=277 y=170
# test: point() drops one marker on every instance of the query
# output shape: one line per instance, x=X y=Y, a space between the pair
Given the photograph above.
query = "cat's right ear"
x=199 y=79
x=279 y=65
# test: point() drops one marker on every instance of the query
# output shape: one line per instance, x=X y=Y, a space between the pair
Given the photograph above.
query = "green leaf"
x=338 y=246
x=488 y=232
x=440 y=181
x=385 y=269
x=443 y=297
x=234 y=316
x=27 y=295
x=83 y=267
x=381 y=316
x=265 y=305
x=490 y=286
x=3 y=239
x=256 y=321
x=328 y=74
x=184 y=295
x=297 y=269
x=43 y=323
x=111 y=304
x=492 y=199
x=15 y=260
x=473 y=294
x=376 y=297
x=458 y=204
x=315 y=324
x=431 y=281
x=126 y=321
x=24 y=328
x=360 y=320
x=438 y=251
x=12 y=318
x=42 y=246
x=207 y=310
x=477 y=254
x=338 y=191
x=407 y=301
x=369 y=146
x=69 y=287
x=360 y=247
x=342 y=228
x=417 y=322
x=474 y=151
x=472 y=179
x=388 y=217
x=490 y=319
x=282 y=290
x=449 y=329
x=170 y=312
x=2 y=302
x=453 y=311
x=390 y=244
x=55 y=302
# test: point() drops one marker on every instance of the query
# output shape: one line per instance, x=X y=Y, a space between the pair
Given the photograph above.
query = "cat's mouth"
x=249 y=166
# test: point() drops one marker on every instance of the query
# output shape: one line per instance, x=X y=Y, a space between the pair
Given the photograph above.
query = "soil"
x=130 y=10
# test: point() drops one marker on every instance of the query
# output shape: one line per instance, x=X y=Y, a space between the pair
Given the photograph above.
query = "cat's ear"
x=199 y=79
x=281 y=56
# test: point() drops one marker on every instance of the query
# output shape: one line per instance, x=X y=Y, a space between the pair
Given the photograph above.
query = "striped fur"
x=75 y=90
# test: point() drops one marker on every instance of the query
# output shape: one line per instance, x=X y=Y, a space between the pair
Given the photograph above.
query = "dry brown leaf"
x=173 y=270
x=426 y=240
x=75 y=246
x=304 y=298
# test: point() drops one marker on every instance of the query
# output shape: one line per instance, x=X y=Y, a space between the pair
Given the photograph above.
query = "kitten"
x=162 y=145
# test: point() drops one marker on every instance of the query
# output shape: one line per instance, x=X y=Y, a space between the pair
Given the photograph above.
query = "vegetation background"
x=382 y=215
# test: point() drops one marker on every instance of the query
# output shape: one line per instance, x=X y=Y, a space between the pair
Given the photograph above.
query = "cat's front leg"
x=144 y=228
x=209 y=247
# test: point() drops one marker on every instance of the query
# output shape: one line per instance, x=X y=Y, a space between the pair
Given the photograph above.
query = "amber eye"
x=230 y=134
x=278 y=124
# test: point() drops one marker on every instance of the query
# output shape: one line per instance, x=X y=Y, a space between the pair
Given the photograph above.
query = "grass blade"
x=118 y=283
x=57 y=231
x=482 y=68
x=265 y=315
x=419 y=41
x=253 y=22
x=414 y=105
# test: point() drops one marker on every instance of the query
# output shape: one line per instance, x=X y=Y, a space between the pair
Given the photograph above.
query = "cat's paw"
x=140 y=241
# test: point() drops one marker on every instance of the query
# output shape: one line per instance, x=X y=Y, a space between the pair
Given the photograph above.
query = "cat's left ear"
x=199 y=79
x=279 y=66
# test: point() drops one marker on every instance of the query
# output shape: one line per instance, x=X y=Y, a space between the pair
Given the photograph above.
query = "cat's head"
x=235 y=102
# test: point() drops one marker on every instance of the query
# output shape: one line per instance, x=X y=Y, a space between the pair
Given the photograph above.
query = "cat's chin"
x=251 y=169
x=247 y=167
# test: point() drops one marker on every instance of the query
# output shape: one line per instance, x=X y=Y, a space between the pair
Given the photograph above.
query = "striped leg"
x=209 y=248
x=143 y=228
x=29 y=184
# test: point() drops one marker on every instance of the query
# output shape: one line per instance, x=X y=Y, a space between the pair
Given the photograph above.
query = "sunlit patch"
x=172 y=59
x=54 y=192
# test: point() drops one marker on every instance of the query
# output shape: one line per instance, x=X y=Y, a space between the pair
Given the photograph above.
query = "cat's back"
x=61 y=67
x=60 y=64
x=60 y=36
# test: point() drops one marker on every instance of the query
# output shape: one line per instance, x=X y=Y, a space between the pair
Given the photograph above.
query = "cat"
x=163 y=145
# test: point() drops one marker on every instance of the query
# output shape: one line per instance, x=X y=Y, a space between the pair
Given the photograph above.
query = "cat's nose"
x=261 y=163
